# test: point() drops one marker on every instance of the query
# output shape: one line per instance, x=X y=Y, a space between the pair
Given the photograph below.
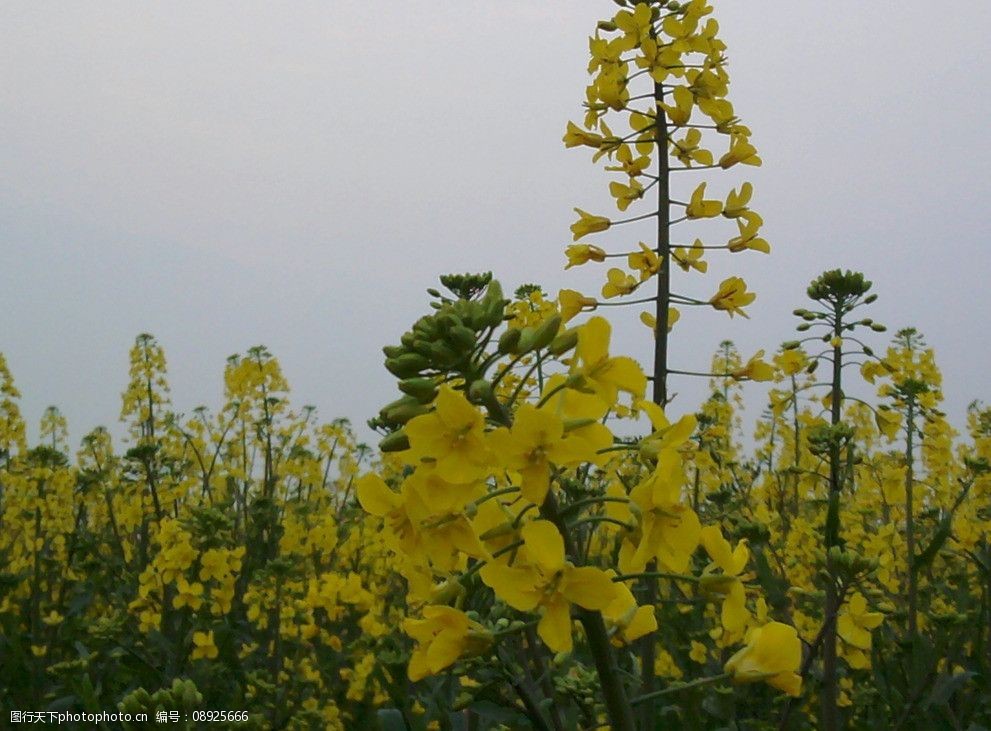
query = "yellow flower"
x=740 y=151
x=580 y=253
x=650 y=320
x=736 y=203
x=756 y=369
x=646 y=261
x=790 y=362
x=698 y=207
x=855 y=623
x=691 y=258
x=572 y=302
x=732 y=296
x=535 y=442
x=669 y=530
x=203 y=646
x=625 y=194
x=188 y=595
x=575 y=136
x=588 y=224
x=618 y=283
x=452 y=437
x=749 y=226
x=426 y=519
x=636 y=26
x=213 y=565
x=603 y=375
x=687 y=150
x=732 y=561
x=772 y=654
x=443 y=635
x=681 y=112
x=888 y=422
x=547 y=582
x=625 y=620
x=699 y=652
x=632 y=166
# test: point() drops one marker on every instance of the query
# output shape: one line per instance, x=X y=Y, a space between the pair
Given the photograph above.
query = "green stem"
x=657 y=575
x=680 y=687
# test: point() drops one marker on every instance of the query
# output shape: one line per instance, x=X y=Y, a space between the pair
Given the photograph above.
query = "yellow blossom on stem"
x=691 y=258
x=632 y=166
x=650 y=320
x=740 y=151
x=603 y=375
x=618 y=283
x=772 y=654
x=579 y=254
x=732 y=296
x=626 y=194
x=698 y=207
x=442 y=636
x=681 y=111
x=646 y=261
x=571 y=302
x=736 y=202
x=749 y=225
x=790 y=362
x=727 y=584
x=188 y=595
x=535 y=442
x=575 y=136
x=588 y=224
x=854 y=627
x=755 y=369
x=687 y=150
x=203 y=646
x=626 y=620
x=546 y=581
x=669 y=530
x=452 y=437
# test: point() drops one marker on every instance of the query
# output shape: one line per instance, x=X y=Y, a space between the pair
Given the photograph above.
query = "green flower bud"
x=422 y=389
x=395 y=442
x=509 y=339
x=564 y=342
x=546 y=331
x=479 y=391
x=406 y=365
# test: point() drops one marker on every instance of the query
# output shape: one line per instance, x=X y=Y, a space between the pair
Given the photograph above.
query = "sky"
x=224 y=175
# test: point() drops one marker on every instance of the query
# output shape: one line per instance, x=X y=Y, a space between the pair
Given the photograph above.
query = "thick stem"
x=910 y=519
x=614 y=694
x=648 y=653
x=829 y=694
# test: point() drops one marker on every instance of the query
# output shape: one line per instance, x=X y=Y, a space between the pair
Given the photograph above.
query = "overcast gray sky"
x=296 y=174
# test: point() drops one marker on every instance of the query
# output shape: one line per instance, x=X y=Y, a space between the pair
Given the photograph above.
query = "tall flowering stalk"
x=662 y=68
